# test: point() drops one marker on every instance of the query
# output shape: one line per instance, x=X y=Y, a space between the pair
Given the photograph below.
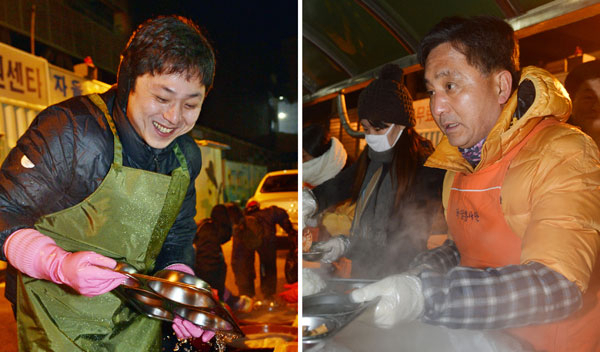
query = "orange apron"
x=484 y=239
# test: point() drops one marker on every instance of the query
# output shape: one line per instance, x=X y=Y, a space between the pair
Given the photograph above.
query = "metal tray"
x=190 y=295
x=333 y=308
x=172 y=292
x=311 y=323
x=329 y=305
x=313 y=255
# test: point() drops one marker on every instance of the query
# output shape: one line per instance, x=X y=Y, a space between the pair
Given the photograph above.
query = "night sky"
x=256 y=49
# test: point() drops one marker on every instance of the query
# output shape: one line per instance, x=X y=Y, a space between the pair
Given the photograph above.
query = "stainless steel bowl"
x=171 y=293
x=147 y=304
x=182 y=294
x=128 y=271
x=314 y=254
x=154 y=312
x=179 y=277
x=144 y=296
x=329 y=304
x=311 y=323
x=121 y=266
x=203 y=318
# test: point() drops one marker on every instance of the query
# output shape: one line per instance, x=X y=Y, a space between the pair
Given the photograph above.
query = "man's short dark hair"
x=487 y=42
x=165 y=45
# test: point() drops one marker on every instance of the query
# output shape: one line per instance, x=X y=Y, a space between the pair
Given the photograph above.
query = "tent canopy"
x=345 y=42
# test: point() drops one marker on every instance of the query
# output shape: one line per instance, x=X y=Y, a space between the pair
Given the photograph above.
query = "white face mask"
x=379 y=142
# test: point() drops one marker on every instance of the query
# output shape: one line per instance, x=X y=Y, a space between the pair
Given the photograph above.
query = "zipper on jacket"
x=156 y=163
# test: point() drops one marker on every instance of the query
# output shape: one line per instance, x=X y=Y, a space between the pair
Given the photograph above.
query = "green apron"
x=127 y=218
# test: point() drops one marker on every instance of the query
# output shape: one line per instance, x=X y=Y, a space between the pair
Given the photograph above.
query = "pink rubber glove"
x=181 y=267
x=185 y=329
x=38 y=256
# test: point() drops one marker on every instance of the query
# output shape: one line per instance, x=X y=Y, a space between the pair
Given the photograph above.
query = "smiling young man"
x=164 y=107
x=104 y=178
x=521 y=197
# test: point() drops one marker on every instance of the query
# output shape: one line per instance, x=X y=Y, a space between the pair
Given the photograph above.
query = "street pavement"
x=230 y=279
x=8 y=325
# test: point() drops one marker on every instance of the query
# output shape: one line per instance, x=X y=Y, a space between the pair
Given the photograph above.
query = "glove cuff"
x=416 y=290
x=309 y=203
x=345 y=243
x=33 y=253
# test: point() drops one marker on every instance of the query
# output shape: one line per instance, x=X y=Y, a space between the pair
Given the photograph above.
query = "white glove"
x=401 y=299
x=334 y=248
x=309 y=208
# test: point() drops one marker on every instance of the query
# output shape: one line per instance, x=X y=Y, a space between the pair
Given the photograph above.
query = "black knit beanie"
x=580 y=74
x=387 y=99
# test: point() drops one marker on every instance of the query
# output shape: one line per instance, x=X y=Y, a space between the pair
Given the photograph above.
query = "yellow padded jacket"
x=551 y=191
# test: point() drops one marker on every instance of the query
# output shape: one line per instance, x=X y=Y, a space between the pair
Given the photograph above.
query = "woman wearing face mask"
x=396 y=197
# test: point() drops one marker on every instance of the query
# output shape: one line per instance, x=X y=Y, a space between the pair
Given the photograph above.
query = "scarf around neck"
x=473 y=154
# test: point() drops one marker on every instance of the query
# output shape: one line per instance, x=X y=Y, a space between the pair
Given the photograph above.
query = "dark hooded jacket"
x=71 y=146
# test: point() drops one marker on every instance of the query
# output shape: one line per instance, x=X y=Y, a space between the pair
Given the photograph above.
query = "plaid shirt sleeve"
x=439 y=259
x=496 y=298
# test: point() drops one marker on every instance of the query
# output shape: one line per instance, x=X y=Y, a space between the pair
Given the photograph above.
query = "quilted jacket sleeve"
x=563 y=230
x=36 y=172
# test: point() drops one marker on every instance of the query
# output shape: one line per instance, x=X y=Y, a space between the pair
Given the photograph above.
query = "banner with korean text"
x=425 y=124
x=23 y=76
x=66 y=84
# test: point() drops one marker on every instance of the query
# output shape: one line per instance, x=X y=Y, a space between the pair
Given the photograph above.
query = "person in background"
x=211 y=234
x=521 y=197
x=258 y=233
x=323 y=156
x=583 y=85
x=211 y=267
x=396 y=197
x=247 y=237
x=104 y=178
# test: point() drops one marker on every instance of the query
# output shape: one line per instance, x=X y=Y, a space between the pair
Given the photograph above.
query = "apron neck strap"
x=118 y=149
x=181 y=158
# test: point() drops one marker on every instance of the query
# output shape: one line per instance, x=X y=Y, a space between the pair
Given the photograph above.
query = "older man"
x=521 y=197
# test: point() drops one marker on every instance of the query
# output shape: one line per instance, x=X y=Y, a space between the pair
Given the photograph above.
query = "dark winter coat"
x=209 y=238
x=270 y=217
x=71 y=146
